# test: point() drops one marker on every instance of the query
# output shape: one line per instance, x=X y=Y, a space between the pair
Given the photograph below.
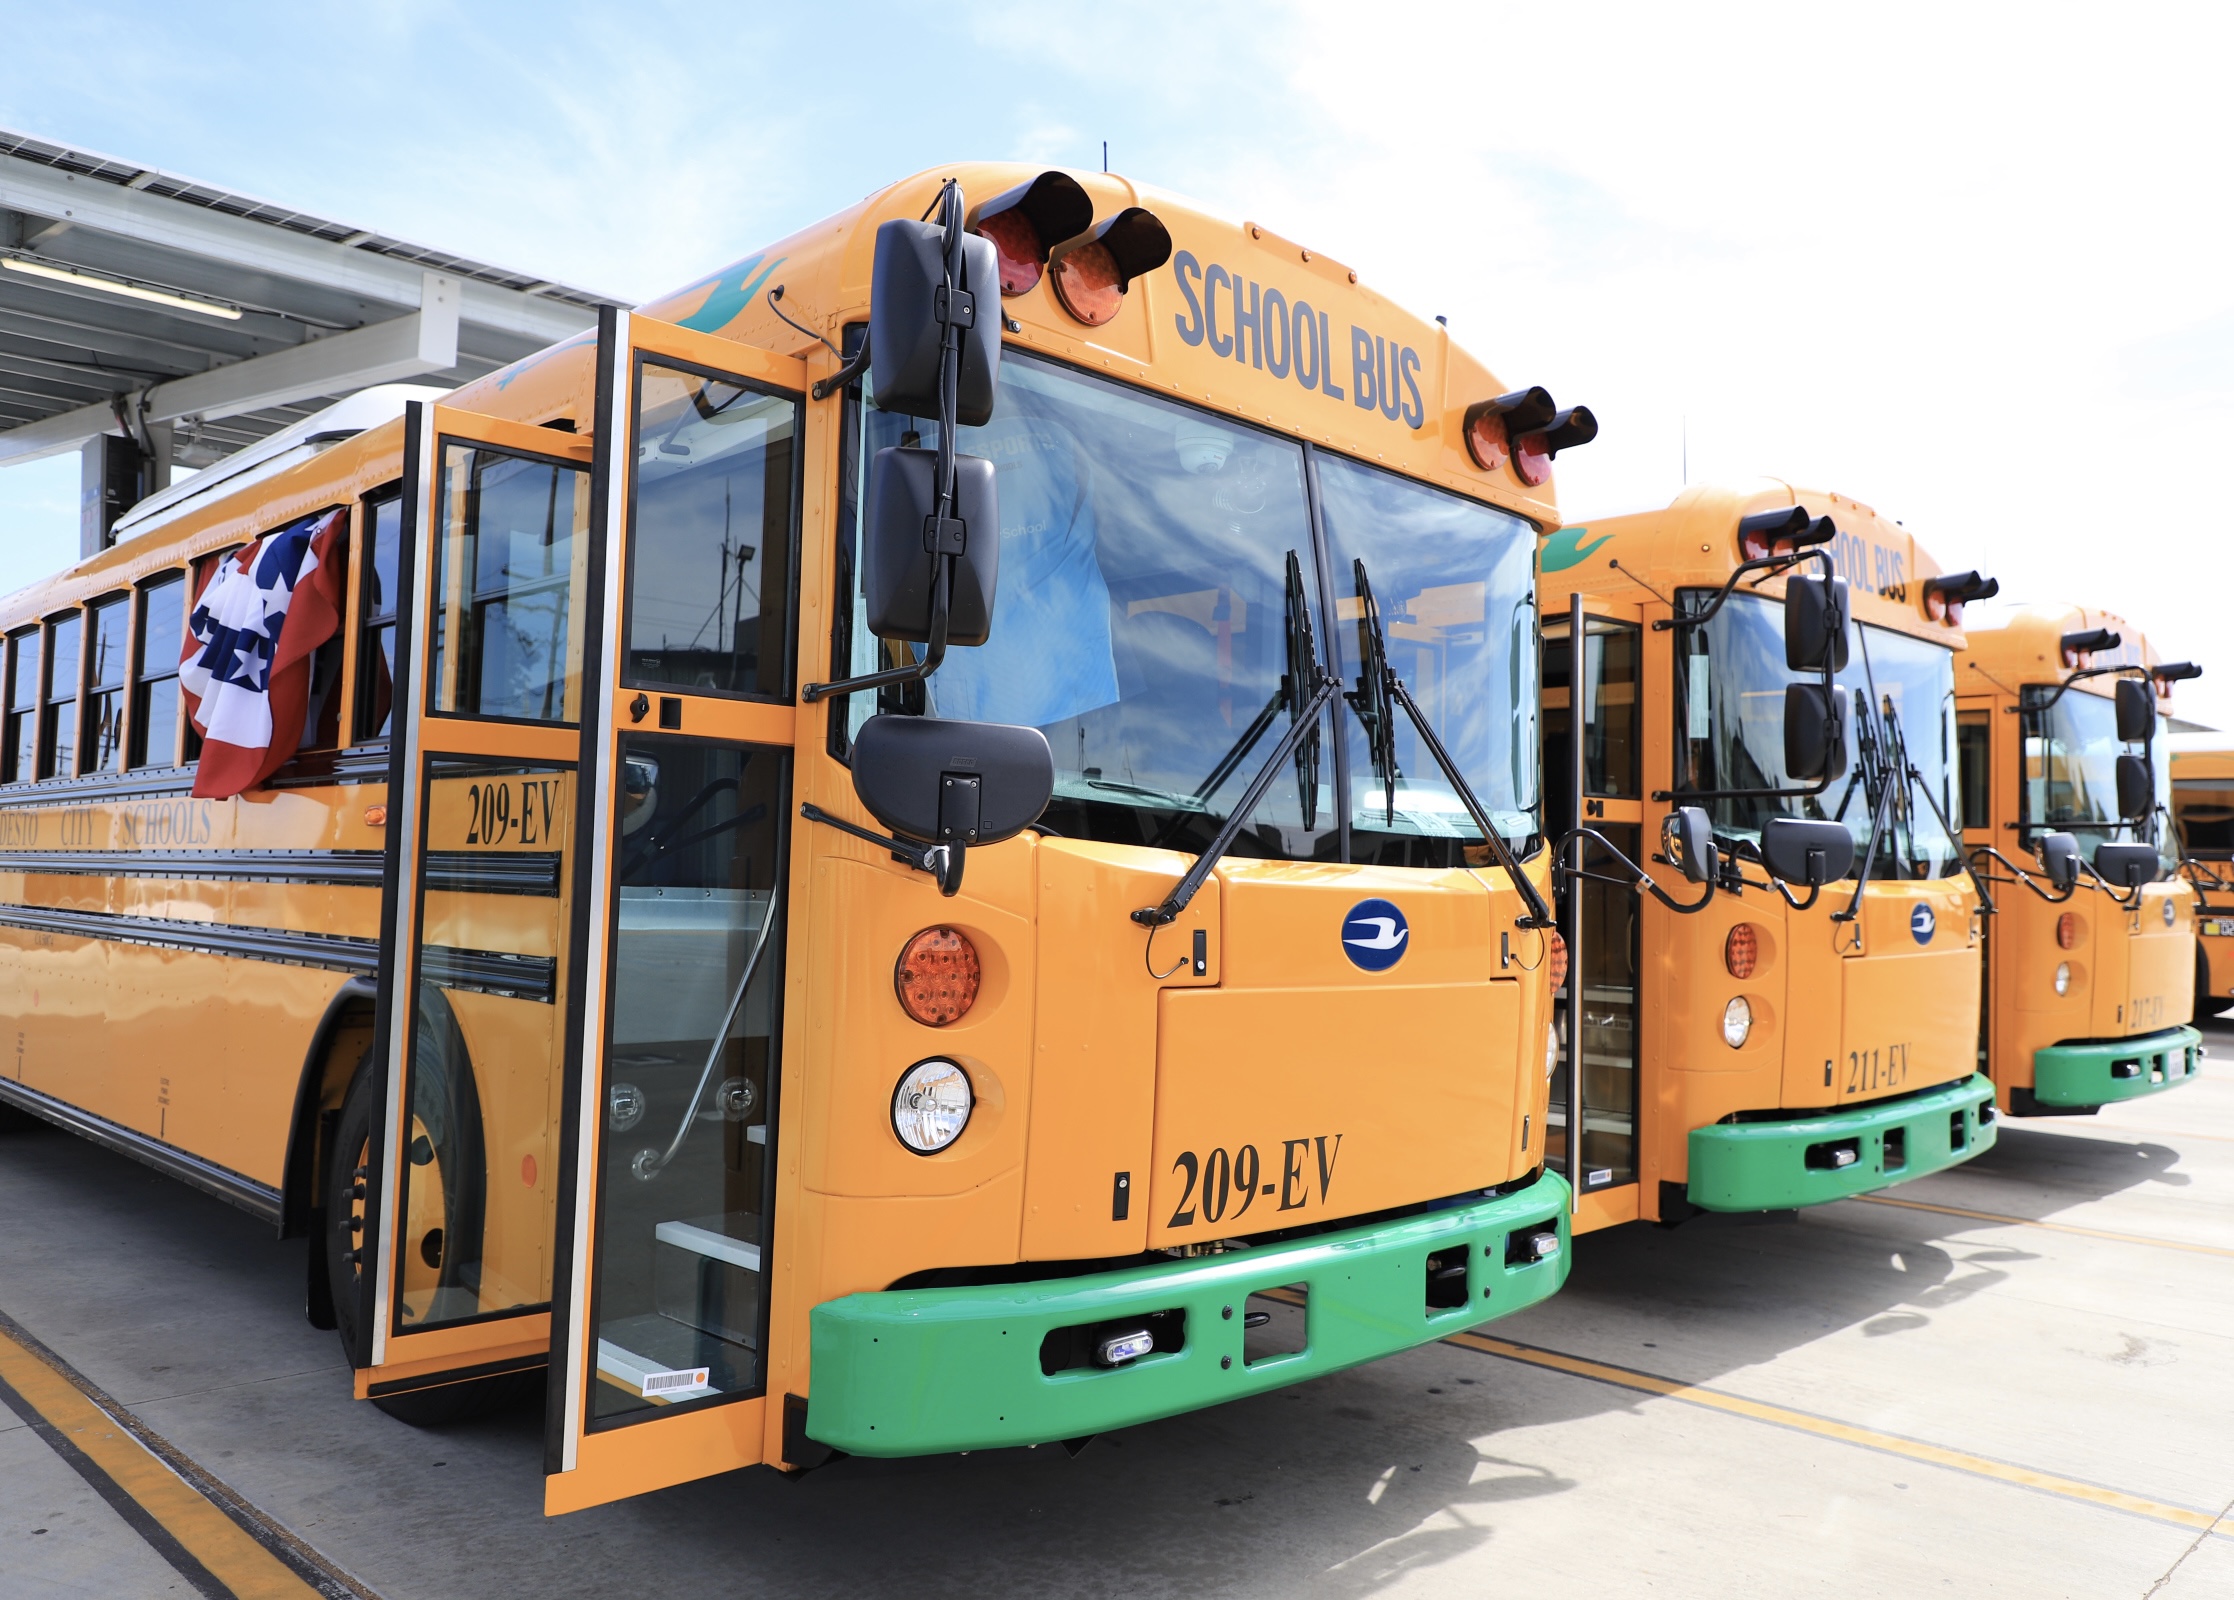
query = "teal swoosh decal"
x=734 y=288
x=1565 y=549
x=529 y=363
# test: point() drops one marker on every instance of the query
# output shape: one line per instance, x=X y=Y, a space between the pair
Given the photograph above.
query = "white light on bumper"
x=931 y=1105
x=1125 y=1347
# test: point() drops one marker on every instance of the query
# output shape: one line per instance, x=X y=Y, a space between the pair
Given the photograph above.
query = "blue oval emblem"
x=2170 y=916
x=1921 y=923
x=1374 y=935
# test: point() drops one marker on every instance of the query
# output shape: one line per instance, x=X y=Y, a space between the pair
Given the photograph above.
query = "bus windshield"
x=2071 y=773
x=1899 y=692
x=1159 y=589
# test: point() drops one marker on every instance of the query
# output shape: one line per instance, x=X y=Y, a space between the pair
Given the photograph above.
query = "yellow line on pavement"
x=2054 y=1227
x=1846 y=1432
x=220 y=1557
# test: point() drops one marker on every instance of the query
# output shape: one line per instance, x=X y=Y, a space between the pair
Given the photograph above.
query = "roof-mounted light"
x=1946 y=595
x=1492 y=425
x=1025 y=221
x=1533 y=452
x=2078 y=646
x=1093 y=270
x=2170 y=672
x=1758 y=533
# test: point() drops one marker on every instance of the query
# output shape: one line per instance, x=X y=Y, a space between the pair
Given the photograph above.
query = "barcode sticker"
x=676 y=1382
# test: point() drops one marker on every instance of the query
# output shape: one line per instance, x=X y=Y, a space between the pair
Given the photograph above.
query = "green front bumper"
x=2099 y=1072
x=914 y=1371
x=1805 y=1160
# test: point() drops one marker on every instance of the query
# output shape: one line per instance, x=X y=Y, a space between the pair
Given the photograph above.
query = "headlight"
x=931 y=1106
x=1551 y=1050
x=1737 y=1022
x=2063 y=977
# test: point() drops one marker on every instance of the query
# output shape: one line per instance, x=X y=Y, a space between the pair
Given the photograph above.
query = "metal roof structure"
x=134 y=301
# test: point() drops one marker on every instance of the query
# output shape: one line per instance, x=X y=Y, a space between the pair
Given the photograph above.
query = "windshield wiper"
x=1371 y=699
x=1387 y=689
x=1295 y=685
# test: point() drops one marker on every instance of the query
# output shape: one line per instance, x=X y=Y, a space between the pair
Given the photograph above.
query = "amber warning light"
x=1527 y=429
x=937 y=976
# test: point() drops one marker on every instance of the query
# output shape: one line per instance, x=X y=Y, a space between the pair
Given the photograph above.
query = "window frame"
x=139 y=677
x=93 y=611
x=371 y=623
x=48 y=742
x=793 y=553
x=10 y=768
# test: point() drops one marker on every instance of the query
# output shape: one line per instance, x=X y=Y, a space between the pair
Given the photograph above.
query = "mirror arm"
x=2018 y=874
x=855 y=365
x=1739 y=881
x=1767 y=566
x=1156 y=916
x=2102 y=883
x=1638 y=878
x=1917 y=779
x=2064 y=687
x=1539 y=914
x=934 y=652
x=941 y=861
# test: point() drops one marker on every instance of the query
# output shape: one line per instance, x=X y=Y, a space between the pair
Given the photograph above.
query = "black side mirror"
x=907 y=333
x=2136 y=712
x=1814 y=733
x=952 y=783
x=1807 y=853
x=1689 y=838
x=2126 y=866
x=902 y=541
x=2059 y=860
x=1815 y=613
x=2135 y=790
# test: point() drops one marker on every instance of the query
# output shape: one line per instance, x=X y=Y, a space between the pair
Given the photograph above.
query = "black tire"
x=344 y=1201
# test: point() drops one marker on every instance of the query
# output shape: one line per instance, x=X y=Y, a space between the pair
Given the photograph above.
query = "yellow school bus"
x=1786 y=1011
x=2067 y=795
x=2203 y=809
x=931 y=842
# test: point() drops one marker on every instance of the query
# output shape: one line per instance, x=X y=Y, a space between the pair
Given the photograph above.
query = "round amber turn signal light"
x=1741 y=951
x=937 y=976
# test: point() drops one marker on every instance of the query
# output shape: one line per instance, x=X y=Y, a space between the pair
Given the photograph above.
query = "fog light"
x=1125 y=1347
x=1737 y=1022
x=2063 y=977
x=931 y=1106
x=1543 y=1245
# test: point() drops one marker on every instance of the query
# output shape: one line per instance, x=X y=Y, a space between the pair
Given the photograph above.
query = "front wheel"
x=348 y=1249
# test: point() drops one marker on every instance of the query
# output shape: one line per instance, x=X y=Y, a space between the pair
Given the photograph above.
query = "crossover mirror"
x=2135 y=790
x=903 y=542
x=2126 y=866
x=2058 y=854
x=2136 y=712
x=1810 y=854
x=1689 y=837
x=1814 y=733
x=952 y=783
x=1815 y=632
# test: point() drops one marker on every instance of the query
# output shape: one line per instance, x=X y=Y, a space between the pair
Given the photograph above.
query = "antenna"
x=1687 y=449
x=1105 y=155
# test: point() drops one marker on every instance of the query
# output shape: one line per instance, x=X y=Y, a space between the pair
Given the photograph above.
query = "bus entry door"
x=1604 y=767
x=660 y=1344
x=475 y=975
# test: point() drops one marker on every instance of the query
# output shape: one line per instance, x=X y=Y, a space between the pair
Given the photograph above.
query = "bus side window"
x=1974 y=750
x=58 y=716
x=155 y=678
x=109 y=621
x=19 y=742
x=322 y=721
x=376 y=641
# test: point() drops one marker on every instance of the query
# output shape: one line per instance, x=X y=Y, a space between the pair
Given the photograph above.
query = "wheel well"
x=343 y=1035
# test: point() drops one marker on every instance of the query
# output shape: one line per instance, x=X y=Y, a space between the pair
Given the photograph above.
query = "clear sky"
x=1967 y=263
